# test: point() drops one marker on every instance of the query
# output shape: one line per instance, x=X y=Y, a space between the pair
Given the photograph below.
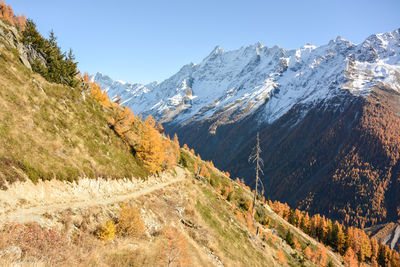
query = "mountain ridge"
x=236 y=83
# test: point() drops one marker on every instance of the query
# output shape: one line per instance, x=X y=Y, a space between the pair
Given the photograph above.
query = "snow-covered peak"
x=217 y=50
x=374 y=61
x=229 y=85
x=214 y=53
x=308 y=47
x=340 y=43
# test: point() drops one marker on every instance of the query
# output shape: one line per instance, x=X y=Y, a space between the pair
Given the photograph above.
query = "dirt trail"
x=35 y=213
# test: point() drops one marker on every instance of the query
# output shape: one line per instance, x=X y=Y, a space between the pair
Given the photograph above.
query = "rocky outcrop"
x=11 y=37
x=388 y=234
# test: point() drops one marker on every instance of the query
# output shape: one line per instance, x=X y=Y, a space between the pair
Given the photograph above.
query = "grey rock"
x=23 y=56
x=10 y=36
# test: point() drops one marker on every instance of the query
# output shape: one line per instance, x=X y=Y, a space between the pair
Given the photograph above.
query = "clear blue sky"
x=144 y=41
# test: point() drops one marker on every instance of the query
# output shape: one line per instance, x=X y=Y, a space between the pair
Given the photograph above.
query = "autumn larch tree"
x=152 y=147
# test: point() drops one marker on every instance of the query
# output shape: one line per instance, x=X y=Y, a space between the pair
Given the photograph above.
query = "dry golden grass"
x=174 y=248
x=51 y=131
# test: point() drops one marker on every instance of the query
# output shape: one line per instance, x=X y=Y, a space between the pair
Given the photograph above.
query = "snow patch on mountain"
x=229 y=85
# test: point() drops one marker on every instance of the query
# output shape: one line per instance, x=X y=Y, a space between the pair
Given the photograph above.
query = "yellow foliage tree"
x=172 y=152
x=122 y=120
x=205 y=172
x=210 y=164
x=144 y=138
x=152 y=148
x=101 y=97
x=308 y=253
x=350 y=258
x=297 y=245
x=176 y=141
x=322 y=257
x=129 y=222
x=107 y=231
x=86 y=78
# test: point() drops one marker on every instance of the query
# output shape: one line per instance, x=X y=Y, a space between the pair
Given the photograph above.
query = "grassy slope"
x=235 y=243
x=48 y=130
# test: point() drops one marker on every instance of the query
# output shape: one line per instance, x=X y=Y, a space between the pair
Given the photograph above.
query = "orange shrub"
x=281 y=257
x=129 y=222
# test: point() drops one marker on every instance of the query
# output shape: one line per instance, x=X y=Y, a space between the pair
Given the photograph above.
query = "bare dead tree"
x=255 y=157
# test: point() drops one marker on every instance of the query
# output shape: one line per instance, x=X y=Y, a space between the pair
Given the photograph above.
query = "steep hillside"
x=44 y=130
x=327 y=117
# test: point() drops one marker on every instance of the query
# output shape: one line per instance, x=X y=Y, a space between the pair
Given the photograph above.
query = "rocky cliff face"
x=327 y=117
x=10 y=36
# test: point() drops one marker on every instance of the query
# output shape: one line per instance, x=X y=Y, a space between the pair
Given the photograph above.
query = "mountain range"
x=328 y=119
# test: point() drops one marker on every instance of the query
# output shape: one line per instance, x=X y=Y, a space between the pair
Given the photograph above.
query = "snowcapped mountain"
x=328 y=119
x=229 y=85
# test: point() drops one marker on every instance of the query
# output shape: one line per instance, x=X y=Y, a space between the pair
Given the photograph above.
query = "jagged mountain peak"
x=236 y=83
x=217 y=50
x=383 y=39
x=340 y=43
